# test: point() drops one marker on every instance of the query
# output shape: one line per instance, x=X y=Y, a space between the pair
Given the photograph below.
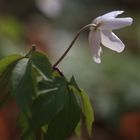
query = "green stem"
x=73 y=41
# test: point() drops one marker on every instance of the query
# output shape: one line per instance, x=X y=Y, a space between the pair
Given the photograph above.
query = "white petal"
x=115 y=23
x=112 y=14
x=111 y=41
x=94 y=42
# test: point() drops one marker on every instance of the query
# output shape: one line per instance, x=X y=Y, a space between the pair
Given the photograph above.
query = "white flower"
x=102 y=33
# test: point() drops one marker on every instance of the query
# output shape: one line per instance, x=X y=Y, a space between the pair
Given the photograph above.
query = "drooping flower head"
x=102 y=33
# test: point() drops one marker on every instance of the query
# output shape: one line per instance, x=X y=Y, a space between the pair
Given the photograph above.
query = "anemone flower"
x=102 y=33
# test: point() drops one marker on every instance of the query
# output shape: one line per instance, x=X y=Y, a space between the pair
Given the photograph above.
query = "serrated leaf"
x=64 y=123
x=73 y=82
x=78 y=129
x=48 y=104
x=22 y=84
x=57 y=80
x=6 y=66
x=88 y=111
x=27 y=132
x=85 y=103
x=7 y=61
x=44 y=85
x=23 y=123
x=41 y=62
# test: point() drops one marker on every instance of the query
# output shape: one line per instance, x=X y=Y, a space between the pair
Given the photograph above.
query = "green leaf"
x=43 y=85
x=85 y=103
x=49 y=103
x=6 y=66
x=64 y=123
x=5 y=87
x=41 y=62
x=24 y=125
x=29 y=135
x=88 y=111
x=73 y=82
x=7 y=61
x=22 y=84
x=78 y=129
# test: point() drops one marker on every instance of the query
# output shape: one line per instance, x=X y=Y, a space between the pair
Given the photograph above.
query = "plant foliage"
x=51 y=107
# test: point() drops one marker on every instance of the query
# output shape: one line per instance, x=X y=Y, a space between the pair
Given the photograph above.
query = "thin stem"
x=73 y=41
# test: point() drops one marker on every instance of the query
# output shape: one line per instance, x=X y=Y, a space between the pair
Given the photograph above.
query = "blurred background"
x=113 y=86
